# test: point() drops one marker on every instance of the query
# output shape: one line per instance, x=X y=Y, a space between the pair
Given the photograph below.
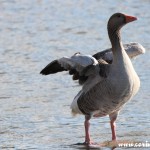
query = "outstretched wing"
x=132 y=49
x=75 y=65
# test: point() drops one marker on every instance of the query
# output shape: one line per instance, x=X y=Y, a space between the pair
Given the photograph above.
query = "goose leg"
x=87 y=133
x=113 y=118
x=113 y=129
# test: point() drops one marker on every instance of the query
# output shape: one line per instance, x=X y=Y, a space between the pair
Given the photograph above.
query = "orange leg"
x=87 y=133
x=113 y=118
x=113 y=129
x=88 y=140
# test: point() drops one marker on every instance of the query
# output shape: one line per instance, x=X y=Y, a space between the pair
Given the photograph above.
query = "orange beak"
x=130 y=18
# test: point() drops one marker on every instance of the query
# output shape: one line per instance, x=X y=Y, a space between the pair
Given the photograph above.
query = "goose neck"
x=115 y=39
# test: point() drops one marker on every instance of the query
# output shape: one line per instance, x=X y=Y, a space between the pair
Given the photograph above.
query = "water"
x=35 y=112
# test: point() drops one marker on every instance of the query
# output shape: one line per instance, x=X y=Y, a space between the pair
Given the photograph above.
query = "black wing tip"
x=47 y=71
x=52 y=68
x=43 y=72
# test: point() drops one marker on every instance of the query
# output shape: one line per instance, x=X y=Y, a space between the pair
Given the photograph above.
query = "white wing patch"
x=78 y=62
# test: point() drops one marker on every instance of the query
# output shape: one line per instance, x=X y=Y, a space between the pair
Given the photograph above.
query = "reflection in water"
x=33 y=114
x=96 y=147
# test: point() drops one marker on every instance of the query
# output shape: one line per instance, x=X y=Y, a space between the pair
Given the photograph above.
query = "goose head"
x=118 y=20
x=115 y=23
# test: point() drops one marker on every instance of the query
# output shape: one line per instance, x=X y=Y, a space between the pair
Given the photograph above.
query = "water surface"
x=35 y=109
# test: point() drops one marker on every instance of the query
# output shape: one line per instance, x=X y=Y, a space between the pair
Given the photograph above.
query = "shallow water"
x=35 y=112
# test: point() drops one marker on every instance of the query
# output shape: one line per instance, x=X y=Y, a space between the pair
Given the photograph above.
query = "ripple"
x=81 y=32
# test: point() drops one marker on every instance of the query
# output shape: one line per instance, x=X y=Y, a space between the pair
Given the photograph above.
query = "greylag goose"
x=108 y=78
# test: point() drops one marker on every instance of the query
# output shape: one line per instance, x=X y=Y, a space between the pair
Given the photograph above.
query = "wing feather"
x=82 y=66
x=132 y=49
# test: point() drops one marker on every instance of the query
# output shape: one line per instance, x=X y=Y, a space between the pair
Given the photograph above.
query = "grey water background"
x=35 y=109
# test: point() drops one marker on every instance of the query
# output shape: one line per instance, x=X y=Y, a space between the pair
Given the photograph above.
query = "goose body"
x=108 y=78
x=103 y=95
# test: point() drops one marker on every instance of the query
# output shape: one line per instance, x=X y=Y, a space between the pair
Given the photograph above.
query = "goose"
x=108 y=78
